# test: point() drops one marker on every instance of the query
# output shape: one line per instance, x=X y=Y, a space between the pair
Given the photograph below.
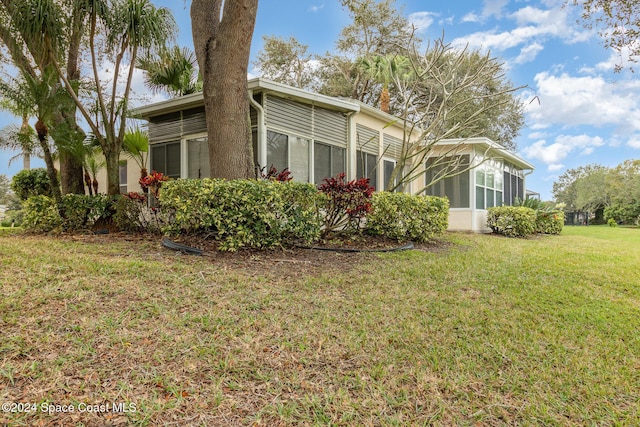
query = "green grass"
x=489 y=332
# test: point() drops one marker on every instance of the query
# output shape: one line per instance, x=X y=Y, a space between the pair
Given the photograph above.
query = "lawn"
x=479 y=331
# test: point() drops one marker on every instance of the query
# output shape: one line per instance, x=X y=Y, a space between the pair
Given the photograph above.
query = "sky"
x=578 y=110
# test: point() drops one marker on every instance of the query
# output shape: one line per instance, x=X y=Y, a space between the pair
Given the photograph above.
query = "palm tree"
x=385 y=69
x=41 y=97
x=43 y=32
x=173 y=70
x=136 y=146
x=92 y=165
x=31 y=32
x=132 y=27
x=22 y=138
x=14 y=100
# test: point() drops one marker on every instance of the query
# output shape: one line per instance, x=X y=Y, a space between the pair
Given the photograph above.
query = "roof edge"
x=257 y=84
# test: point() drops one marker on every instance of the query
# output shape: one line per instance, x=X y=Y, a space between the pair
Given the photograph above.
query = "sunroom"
x=317 y=136
x=480 y=174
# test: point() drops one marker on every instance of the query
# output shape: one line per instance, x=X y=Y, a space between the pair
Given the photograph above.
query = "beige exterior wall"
x=133 y=176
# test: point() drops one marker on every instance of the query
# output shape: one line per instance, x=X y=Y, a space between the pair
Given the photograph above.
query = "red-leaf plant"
x=273 y=175
x=347 y=203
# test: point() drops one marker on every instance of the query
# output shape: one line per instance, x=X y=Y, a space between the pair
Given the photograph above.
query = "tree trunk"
x=112 y=160
x=26 y=160
x=43 y=132
x=71 y=174
x=385 y=100
x=222 y=44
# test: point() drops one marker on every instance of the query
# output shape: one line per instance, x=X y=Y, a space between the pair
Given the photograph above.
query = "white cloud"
x=552 y=154
x=533 y=25
x=617 y=59
x=547 y=153
x=587 y=100
x=529 y=53
x=316 y=8
x=471 y=17
x=494 y=7
x=634 y=142
x=537 y=135
x=555 y=167
x=422 y=20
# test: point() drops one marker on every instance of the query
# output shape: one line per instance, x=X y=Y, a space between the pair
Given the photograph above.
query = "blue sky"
x=578 y=111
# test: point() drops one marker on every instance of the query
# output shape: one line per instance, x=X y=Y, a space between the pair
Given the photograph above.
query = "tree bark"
x=71 y=174
x=71 y=170
x=222 y=42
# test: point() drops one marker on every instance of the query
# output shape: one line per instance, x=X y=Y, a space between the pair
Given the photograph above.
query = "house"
x=318 y=136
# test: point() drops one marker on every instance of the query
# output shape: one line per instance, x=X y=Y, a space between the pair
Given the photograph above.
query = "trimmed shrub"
x=549 y=222
x=242 y=213
x=512 y=221
x=33 y=182
x=404 y=217
x=130 y=212
x=628 y=213
x=41 y=214
x=81 y=212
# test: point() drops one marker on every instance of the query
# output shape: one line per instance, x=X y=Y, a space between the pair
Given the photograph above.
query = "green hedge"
x=40 y=214
x=31 y=182
x=512 y=221
x=549 y=222
x=76 y=212
x=242 y=213
x=405 y=217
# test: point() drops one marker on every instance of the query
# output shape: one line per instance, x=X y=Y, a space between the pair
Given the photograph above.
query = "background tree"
x=29 y=51
x=498 y=113
x=610 y=193
x=592 y=190
x=378 y=29
x=618 y=23
x=222 y=33
x=623 y=184
x=5 y=189
x=375 y=50
x=23 y=137
x=438 y=102
x=46 y=35
x=565 y=189
x=384 y=69
x=286 y=61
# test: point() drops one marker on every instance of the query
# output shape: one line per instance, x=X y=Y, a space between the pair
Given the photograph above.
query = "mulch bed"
x=280 y=261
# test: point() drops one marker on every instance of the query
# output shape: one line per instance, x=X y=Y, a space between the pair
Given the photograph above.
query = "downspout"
x=262 y=132
x=524 y=182
x=352 y=164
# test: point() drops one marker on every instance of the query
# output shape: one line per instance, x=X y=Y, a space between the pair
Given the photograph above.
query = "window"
x=329 y=161
x=489 y=184
x=367 y=167
x=387 y=169
x=455 y=184
x=513 y=186
x=165 y=158
x=277 y=150
x=122 y=169
x=198 y=158
x=288 y=151
x=299 y=158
